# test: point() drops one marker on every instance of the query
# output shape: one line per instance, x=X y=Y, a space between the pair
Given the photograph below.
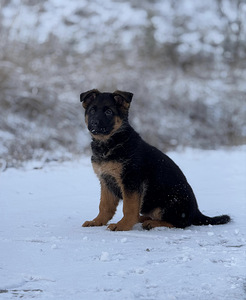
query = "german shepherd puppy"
x=154 y=190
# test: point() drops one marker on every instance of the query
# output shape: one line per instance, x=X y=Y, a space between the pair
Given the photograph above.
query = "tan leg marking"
x=149 y=224
x=131 y=205
x=107 y=208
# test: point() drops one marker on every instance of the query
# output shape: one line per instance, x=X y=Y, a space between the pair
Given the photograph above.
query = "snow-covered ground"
x=46 y=254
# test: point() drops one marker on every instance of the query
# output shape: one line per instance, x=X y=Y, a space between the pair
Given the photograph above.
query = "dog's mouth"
x=99 y=131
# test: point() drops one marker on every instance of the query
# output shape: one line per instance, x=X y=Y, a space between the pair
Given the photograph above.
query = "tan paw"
x=92 y=223
x=147 y=225
x=120 y=226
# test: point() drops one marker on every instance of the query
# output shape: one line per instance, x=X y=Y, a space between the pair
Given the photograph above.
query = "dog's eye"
x=108 y=112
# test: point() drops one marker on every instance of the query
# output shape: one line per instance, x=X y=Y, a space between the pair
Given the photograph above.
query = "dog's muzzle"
x=96 y=128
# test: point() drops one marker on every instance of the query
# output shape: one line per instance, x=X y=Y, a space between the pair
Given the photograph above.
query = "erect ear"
x=123 y=99
x=88 y=96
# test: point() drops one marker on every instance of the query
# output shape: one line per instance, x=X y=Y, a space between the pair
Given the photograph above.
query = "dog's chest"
x=110 y=173
x=112 y=168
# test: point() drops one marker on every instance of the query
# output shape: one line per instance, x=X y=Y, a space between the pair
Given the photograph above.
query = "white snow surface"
x=46 y=254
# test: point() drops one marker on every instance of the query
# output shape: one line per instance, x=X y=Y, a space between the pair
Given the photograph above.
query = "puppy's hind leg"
x=155 y=220
x=142 y=219
x=150 y=224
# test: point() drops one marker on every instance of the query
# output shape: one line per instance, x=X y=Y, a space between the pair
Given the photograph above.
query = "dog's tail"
x=201 y=219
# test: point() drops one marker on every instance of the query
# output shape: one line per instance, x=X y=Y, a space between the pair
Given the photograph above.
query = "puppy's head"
x=105 y=112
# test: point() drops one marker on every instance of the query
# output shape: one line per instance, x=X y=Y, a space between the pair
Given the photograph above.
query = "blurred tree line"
x=184 y=61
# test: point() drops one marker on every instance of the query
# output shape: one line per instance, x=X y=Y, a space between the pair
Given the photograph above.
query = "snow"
x=92 y=23
x=79 y=20
x=46 y=254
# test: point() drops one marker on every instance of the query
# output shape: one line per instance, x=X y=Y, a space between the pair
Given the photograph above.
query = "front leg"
x=131 y=205
x=107 y=208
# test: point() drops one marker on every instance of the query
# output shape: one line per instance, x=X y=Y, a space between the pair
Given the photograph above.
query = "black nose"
x=94 y=122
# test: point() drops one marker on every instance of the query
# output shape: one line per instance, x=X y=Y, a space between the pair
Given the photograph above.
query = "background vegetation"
x=184 y=61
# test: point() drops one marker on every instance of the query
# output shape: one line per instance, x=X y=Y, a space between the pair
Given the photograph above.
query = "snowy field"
x=46 y=254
